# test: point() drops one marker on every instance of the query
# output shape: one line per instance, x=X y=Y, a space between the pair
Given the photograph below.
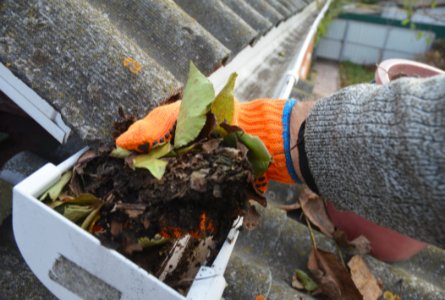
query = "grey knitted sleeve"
x=380 y=151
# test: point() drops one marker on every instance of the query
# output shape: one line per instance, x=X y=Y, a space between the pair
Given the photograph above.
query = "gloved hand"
x=266 y=118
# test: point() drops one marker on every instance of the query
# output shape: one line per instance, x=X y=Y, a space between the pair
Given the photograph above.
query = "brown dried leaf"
x=87 y=156
x=129 y=249
x=207 y=128
x=211 y=145
x=314 y=209
x=363 y=279
x=296 y=283
x=253 y=194
x=116 y=228
x=198 y=180
x=360 y=245
x=332 y=276
x=252 y=218
x=133 y=210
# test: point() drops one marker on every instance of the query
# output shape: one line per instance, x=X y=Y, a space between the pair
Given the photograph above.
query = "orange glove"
x=266 y=118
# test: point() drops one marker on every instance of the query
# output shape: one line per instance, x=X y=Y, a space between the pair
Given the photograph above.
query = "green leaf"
x=54 y=191
x=155 y=166
x=419 y=35
x=91 y=216
x=433 y=4
x=223 y=106
x=157 y=152
x=198 y=96
x=75 y=212
x=308 y=284
x=258 y=155
x=120 y=153
x=146 y=242
x=84 y=199
x=428 y=40
x=151 y=162
x=405 y=21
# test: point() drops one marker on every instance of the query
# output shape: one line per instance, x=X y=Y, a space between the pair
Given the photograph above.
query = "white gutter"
x=33 y=105
x=293 y=73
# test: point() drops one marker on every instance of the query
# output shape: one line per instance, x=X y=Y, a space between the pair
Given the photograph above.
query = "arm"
x=380 y=151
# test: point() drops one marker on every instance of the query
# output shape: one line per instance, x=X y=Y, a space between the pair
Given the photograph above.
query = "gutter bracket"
x=34 y=105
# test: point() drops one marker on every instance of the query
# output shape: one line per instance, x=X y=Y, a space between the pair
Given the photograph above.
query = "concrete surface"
x=16 y=279
x=327 y=77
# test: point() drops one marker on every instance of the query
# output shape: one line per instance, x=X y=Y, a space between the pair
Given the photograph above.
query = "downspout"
x=293 y=74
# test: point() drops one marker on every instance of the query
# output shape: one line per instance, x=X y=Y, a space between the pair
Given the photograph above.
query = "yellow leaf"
x=388 y=295
x=132 y=65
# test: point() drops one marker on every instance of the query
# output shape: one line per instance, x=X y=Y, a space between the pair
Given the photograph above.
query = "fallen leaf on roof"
x=388 y=295
x=252 y=218
x=360 y=245
x=302 y=281
x=288 y=207
x=363 y=279
x=132 y=65
x=314 y=209
x=332 y=276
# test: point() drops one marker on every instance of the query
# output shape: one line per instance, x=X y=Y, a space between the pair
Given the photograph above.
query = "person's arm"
x=380 y=152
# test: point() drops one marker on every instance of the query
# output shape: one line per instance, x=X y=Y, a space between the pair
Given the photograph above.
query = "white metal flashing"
x=33 y=105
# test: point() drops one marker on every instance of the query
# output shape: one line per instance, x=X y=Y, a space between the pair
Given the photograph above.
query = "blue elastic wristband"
x=286 y=138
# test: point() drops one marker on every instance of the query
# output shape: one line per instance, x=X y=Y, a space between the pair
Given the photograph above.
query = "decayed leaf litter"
x=189 y=190
x=333 y=278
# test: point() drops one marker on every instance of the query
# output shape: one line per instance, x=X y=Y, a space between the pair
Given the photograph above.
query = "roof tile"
x=250 y=15
x=266 y=10
x=166 y=33
x=72 y=55
x=222 y=22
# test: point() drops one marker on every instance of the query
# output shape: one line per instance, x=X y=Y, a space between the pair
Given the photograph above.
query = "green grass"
x=351 y=73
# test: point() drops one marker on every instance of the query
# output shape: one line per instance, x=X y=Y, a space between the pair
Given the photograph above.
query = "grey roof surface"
x=76 y=53
x=265 y=258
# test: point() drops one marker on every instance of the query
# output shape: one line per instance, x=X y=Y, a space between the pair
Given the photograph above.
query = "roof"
x=265 y=258
x=73 y=54
x=88 y=58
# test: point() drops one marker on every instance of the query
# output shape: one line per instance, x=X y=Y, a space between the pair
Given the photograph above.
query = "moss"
x=351 y=73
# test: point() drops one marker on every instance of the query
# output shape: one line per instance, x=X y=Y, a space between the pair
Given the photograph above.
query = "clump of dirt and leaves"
x=184 y=193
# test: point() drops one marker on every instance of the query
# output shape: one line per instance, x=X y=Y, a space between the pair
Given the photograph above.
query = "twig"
x=314 y=243
x=289 y=207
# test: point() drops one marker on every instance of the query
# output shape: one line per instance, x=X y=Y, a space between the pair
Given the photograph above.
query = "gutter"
x=292 y=76
x=34 y=105
x=246 y=62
